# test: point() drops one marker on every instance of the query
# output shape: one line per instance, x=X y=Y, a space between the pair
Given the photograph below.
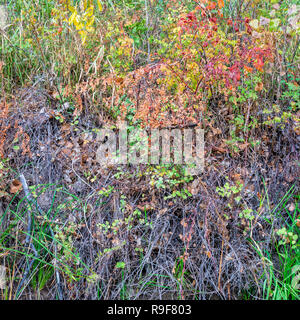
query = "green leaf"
x=120 y=265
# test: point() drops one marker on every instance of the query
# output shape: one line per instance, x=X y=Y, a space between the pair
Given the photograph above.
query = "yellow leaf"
x=90 y=21
x=89 y=12
x=79 y=26
x=71 y=8
x=209 y=94
x=85 y=3
x=90 y=29
x=100 y=5
x=75 y=21
x=83 y=38
x=72 y=18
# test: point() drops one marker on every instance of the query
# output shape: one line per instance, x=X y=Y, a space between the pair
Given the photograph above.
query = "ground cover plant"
x=73 y=229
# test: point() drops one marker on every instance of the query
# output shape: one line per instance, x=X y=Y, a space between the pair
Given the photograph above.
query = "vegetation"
x=73 y=229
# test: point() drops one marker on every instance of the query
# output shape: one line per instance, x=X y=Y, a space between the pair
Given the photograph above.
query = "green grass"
x=50 y=239
x=282 y=262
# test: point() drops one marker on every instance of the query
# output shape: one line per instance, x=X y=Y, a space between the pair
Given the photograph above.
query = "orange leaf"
x=211 y=6
x=248 y=70
x=259 y=86
x=258 y=64
x=15 y=186
x=208 y=253
x=3 y=194
x=220 y=4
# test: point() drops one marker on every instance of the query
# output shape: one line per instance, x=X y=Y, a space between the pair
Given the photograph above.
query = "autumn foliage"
x=201 y=61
